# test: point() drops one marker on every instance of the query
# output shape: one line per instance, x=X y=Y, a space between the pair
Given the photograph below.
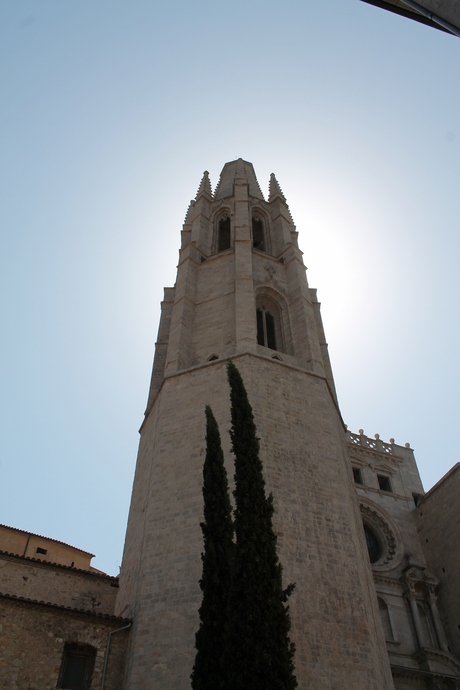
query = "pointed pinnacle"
x=274 y=189
x=205 y=186
x=188 y=215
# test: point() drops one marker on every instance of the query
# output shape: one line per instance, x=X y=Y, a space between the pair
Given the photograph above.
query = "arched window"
x=258 y=235
x=374 y=547
x=223 y=234
x=385 y=618
x=270 y=321
x=266 y=334
x=76 y=667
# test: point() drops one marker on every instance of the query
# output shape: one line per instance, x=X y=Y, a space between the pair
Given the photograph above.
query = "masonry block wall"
x=438 y=521
x=32 y=641
x=335 y=619
x=63 y=586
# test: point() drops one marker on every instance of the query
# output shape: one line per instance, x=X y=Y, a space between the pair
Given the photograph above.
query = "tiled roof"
x=94 y=614
x=40 y=536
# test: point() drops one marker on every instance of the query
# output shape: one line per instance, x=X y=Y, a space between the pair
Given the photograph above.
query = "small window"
x=357 y=476
x=258 y=237
x=266 y=329
x=223 y=234
x=384 y=483
x=374 y=547
x=42 y=551
x=77 y=667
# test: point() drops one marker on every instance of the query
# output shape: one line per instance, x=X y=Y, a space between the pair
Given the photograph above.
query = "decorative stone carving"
x=385 y=533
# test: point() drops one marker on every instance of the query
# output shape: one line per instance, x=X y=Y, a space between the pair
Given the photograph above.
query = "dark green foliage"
x=258 y=653
x=217 y=564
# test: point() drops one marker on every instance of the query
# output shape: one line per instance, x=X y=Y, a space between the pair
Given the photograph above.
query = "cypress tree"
x=217 y=563
x=258 y=654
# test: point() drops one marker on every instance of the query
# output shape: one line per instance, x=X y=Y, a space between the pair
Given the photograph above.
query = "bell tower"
x=241 y=292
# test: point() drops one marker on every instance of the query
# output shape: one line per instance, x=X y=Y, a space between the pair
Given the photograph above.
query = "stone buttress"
x=241 y=292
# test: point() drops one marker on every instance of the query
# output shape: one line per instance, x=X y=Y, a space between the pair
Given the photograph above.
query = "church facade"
x=375 y=560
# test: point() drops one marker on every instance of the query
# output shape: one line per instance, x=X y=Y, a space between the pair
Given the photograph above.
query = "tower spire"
x=242 y=170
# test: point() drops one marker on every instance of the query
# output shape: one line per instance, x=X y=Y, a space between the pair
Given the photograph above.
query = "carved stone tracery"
x=387 y=538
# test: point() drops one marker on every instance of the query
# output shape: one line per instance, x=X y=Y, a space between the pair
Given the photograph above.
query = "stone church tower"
x=241 y=292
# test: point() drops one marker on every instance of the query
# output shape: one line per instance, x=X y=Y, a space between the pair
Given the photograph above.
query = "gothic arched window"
x=269 y=322
x=223 y=234
x=266 y=334
x=258 y=234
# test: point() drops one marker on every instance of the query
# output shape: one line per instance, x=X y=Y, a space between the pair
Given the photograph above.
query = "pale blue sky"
x=110 y=112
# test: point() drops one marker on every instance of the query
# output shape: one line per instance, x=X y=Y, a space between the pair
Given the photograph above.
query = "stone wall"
x=23 y=543
x=438 y=522
x=49 y=582
x=336 y=624
x=32 y=641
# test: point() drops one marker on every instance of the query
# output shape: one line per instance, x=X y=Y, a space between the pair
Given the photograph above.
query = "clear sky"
x=110 y=113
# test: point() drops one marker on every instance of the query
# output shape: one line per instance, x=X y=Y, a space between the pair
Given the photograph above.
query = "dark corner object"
x=430 y=19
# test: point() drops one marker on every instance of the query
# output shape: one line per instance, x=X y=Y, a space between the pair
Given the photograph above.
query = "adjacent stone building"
x=438 y=521
x=375 y=560
x=57 y=623
x=416 y=577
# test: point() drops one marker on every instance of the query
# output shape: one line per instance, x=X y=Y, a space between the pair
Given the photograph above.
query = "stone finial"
x=407 y=445
x=205 y=186
x=361 y=432
x=275 y=192
x=274 y=189
x=392 y=440
x=376 y=436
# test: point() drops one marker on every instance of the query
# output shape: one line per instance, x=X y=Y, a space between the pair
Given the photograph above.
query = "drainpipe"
x=107 y=650
x=27 y=544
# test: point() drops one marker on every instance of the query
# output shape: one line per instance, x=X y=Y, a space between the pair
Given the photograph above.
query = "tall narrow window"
x=258 y=237
x=374 y=546
x=425 y=626
x=266 y=328
x=223 y=234
x=357 y=476
x=77 y=667
x=385 y=618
